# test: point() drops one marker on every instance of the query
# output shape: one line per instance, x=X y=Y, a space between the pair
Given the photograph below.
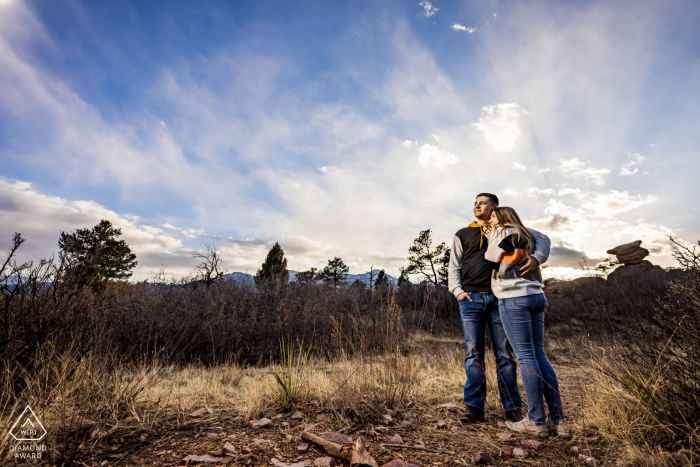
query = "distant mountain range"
x=243 y=277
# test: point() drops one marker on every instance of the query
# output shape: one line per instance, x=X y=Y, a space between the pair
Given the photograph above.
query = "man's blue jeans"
x=523 y=320
x=476 y=316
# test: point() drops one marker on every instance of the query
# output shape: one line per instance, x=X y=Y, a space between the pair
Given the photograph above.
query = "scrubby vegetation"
x=110 y=363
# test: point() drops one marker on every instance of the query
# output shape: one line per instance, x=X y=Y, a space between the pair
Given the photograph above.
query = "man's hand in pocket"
x=464 y=295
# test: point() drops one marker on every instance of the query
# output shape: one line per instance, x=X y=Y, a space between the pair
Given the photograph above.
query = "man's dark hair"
x=492 y=197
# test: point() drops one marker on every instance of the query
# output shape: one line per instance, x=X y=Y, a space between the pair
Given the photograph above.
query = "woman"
x=521 y=305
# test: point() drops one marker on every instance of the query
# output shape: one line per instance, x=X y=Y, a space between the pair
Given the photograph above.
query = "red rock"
x=310 y=428
x=455 y=428
x=191 y=460
x=197 y=413
x=625 y=249
x=315 y=403
x=302 y=448
x=440 y=424
x=502 y=425
x=387 y=418
x=324 y=462
x=398 y=463
x=262 y=423
x=181 y=408
x=229 y=449
x=396 y=439
x=225 y=417
x=371 y=434
x=278 y=463
x=390 y=412
x=297 y=415
x=259 y=442
x=231 y=437
x=589 y=460
x=481 y=458
x=337 y=438
x=408 y=415
x=449 y=407
x=382 y=429
x=324 y=418
x=530 y=443
x=518 y=452
x=503 y=436
x=406 y=424
x=212 y=435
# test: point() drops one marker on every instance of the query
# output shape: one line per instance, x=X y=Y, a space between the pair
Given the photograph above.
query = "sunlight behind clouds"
x=499 y=125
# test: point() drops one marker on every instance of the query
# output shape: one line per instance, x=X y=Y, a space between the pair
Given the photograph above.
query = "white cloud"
x=436 y=137
x=430 y=10
x=534 y=191
x=517 y=166
x=615 y=202
x=326 y=168
x=578 y=169
x=540 y=171
x=652 y=144
x=499 y=125
x=459 y=27
x=432 y=156
x=510 y=192
x=569 y=191
x=408 y=143
x=627 y=170
x=494 y=15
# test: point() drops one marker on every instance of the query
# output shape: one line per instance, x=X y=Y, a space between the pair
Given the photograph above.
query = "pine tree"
x=444 y=267
x=97 y=256
x=274 y=267
x=307 y=277
x=403 y=277
x=382 y=280
x=424 y=259
x=335 y=273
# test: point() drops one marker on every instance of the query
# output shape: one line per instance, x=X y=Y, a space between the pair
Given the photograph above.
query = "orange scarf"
x=481 y=231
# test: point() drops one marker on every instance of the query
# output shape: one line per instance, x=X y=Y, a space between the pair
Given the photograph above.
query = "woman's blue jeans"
x=523 y=321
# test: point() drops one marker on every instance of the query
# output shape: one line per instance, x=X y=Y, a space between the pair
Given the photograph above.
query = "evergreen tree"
x=424 y=259
x=403 y=277
x=335 y=272
x=274 y=267
x=96 y=255
x=307 y=277
x=382 y=280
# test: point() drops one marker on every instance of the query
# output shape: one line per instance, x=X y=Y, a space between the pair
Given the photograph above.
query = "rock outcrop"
x=632 y=255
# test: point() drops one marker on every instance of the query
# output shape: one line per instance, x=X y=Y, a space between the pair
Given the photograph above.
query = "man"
x=469 y=280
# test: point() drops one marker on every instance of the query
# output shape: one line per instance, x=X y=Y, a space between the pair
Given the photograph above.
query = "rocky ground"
x=219 y=435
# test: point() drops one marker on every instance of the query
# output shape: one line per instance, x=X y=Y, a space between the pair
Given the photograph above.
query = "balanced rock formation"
x=632 y=255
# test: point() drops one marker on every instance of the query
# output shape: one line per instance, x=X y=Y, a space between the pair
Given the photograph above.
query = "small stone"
x=502 y=425
x=398 y=463
x=518 y=452
x=324 y=462
x=337 y=438
x=315 y=403
x=212 y=435
x=387 y=418
x=455 y=429
x=408 y=415
x=576 y=449
x=503 y=436
x=225 y=417
x=288 y=437
x=382 y=429
x=440 y=424
x=302 y=448
x=481 y=458
x=396 y=439
x=406 y=424
x=142 y=439
x=589 y=460
x=197 y=413
x=259 y=442
x=262 y=423
x=297 y=415
x=189 y=460
x=390 y=412
x=309 y=428
x=229 y=449
x=450 y=407
x=324 y=418
x=371 y=434
x=181 y=408
x=231 y=437
x=278 y=463
x=530 y=443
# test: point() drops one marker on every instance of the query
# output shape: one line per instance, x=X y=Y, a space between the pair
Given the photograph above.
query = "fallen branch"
x=356 y=453
x=419 y=448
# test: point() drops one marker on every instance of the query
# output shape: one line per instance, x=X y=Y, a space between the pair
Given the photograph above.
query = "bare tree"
x=210 y=268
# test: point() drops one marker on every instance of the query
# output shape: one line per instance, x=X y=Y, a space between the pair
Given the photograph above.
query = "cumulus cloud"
x=430 y=10
x=510 y=192
x=627 y=170
x=540 y=171
x=499 y=125
x=41 y=219
x=568 y=191
x=408 y=143
x=435 y=137
x=326 y=168
x=534 y=191
x=616 y=202
x=578 y=169
x=459 y=27
x=432 y=156
x=517 y=166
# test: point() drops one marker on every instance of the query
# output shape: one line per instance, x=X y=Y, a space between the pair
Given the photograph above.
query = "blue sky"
x=345 y=128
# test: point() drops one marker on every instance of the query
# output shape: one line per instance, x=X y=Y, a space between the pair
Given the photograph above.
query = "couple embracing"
x=494 y=273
